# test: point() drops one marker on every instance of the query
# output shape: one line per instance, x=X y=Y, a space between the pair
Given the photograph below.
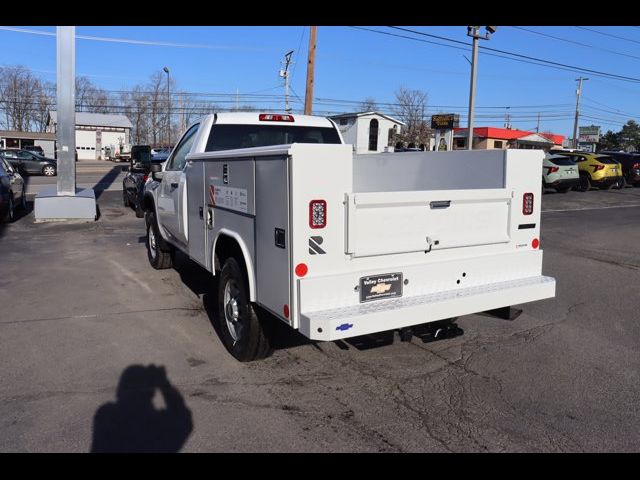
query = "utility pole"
x=507 y=119
x=308 y=98
x=237 y=99
x=166 y=70
x=474 y=32
x=538 y=126
x=575 y=124
x=284 y=73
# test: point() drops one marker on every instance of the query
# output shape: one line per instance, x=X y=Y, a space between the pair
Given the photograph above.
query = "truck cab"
x=334 y=244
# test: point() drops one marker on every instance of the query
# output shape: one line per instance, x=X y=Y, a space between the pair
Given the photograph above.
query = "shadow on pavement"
x=134 y=424
x=106 y=181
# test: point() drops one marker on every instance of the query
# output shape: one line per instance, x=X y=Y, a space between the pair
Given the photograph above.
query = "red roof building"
x=490 y=137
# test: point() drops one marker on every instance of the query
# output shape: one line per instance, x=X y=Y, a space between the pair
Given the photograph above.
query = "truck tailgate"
x=381 y=223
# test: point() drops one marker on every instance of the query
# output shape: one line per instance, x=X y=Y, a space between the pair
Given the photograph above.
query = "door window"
x=179 y=157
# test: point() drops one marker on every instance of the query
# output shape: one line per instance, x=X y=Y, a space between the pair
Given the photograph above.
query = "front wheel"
x=49 y=171
x=125 y=198
x=158 y=252
x=23 y=201
x=242 y=331
x=10 y=215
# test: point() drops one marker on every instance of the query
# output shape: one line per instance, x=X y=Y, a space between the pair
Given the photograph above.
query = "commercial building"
x=14 y=139
x=490 y=137
x=368 y=132
x=95 y=131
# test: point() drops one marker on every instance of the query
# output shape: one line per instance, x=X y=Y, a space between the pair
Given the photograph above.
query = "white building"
x=368 y=132
x=95 y=131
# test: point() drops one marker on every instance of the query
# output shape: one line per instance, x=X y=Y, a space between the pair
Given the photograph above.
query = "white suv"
x=560 y=173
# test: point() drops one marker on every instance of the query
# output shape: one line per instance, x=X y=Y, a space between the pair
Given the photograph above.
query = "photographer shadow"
x=134 y=424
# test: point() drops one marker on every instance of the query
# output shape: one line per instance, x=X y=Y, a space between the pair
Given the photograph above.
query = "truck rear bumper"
x=365 y=318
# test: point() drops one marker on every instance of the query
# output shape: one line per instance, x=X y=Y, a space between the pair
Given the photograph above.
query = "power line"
x=609 y=35
x=577 y=43
x=130 y=41
x=527 y=57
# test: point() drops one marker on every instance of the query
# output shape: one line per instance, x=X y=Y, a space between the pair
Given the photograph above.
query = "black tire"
x=585 y=183
x=605 y=187
x=158 y=252
x=138 y=208
x=23 y=200
x=563 y=189
x=622 y=183
x=49 y=171
x=11 y=210
x=242 y=330
x=125 y=198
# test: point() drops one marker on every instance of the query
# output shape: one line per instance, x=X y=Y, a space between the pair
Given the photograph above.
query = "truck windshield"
x=228 y=137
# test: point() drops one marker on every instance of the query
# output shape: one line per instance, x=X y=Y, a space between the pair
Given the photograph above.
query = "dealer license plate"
x=380 y=287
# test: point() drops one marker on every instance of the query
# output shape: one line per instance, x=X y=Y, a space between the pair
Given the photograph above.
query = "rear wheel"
x=241 y=328
x=49 y=171
x=585 y=183
x=563 y=189
x=23 y=200
x=621 y=183
x=158 y=251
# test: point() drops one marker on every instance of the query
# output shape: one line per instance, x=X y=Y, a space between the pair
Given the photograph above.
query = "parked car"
x=160 y=155
x=560 y=173
x=630 y=166
x=12 y=193
x=595 y=170
x=35 y=149
x=30 y=163
x=137 y=175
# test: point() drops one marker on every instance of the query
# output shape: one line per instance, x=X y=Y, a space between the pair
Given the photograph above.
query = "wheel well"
x=227 y=247
x=147 y=204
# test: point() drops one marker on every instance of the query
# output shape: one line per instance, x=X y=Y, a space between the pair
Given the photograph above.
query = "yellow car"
x=595 y=170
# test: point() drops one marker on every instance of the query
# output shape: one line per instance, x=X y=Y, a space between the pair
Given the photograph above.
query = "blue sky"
x=353 y=64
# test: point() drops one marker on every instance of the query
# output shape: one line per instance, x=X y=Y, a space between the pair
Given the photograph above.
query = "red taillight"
x=269 y=117
x=535 y=243
x=317 y=214
x=552 y=169
x=527 y=204
x=597 y=167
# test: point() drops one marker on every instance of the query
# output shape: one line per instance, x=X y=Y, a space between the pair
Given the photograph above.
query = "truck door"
x=172 y=208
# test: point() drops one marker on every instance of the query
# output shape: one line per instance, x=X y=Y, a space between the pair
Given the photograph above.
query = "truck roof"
x=253 y=118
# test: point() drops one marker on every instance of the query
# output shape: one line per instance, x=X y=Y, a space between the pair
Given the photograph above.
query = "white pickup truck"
x=338 y=245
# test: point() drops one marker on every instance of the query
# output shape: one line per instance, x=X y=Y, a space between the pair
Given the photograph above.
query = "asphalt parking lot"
x=82 y=312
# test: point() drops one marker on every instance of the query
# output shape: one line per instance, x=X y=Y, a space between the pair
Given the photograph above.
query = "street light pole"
x=474 y=32
x=166 y=70
x=575 y=123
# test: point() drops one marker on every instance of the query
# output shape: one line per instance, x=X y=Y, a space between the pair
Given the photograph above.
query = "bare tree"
x=368 y=105
x=90 y=98
x=19 y=94
x=44 y=104
x=136 y=105
x=411 y=109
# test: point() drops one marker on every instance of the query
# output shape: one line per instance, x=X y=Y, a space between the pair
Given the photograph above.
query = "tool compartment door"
x=273 y=235
x=196 y=211
x=381 y=223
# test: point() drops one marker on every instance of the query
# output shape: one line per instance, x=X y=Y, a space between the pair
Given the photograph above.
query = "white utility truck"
x=337 y=245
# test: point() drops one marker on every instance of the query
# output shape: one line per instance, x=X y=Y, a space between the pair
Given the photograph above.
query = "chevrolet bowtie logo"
x=381 y=288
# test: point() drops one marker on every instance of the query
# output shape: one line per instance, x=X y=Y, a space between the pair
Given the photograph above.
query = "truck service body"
x=338 y=245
